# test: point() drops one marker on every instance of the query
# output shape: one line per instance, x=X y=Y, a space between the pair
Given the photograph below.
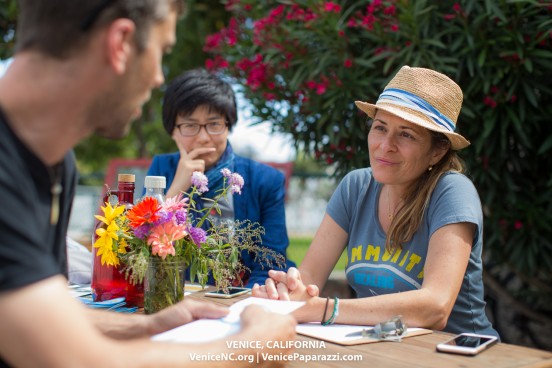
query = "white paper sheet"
x=213 y=329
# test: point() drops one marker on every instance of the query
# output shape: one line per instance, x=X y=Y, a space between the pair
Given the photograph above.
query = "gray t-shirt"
x=373 y=271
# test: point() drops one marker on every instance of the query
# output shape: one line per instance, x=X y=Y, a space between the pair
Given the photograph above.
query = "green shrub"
x=303 y=63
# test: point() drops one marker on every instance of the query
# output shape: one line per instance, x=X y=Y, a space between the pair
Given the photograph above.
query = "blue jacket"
x=261 y=201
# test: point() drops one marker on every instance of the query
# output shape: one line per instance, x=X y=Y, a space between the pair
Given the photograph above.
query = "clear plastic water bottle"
x=155 y=187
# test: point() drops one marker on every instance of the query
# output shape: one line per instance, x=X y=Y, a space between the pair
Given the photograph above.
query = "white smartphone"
x=467 y=344
x=232 y=293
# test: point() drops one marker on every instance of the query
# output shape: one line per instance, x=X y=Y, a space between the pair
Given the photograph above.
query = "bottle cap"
x=155 y=182
x=128 y=178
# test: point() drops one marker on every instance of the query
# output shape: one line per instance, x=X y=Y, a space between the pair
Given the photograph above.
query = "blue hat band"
x=403 y=98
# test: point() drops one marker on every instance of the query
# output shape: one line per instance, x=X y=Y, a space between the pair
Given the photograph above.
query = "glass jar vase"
x=163 y=283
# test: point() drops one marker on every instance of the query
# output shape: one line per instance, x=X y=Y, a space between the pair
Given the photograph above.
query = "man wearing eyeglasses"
x=199 y=110
x=81 y=67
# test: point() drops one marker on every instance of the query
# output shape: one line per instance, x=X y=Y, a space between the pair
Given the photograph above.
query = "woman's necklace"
x=391 y=214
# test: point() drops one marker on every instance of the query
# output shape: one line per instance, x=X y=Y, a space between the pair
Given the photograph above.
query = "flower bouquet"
x=155 y=242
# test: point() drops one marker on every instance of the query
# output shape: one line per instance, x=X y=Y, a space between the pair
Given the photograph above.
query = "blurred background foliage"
x=301 y=64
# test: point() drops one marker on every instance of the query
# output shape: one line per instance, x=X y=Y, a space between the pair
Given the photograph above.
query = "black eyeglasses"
x=214 y=127
x=95 y=14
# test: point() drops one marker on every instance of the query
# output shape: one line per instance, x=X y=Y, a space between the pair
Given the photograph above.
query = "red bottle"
x=109 y=282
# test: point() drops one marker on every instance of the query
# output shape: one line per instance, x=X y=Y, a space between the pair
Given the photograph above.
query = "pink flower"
x=162 y=237
x=213 y=41
x=276 y=11
x=269 y=96
x=368 y=21
x=390 y=10
x=175 y=203
x=449 y=16
x=320 y=89
x=518 y=225
x=217 y=63
x=236 y=181
x=311 y=84
x=234 y=189
x=226 y=172
x=489 y=101
x=351 y=23
x=348 y=63
x=330 y=6
x=200 y=181
x=394 y=27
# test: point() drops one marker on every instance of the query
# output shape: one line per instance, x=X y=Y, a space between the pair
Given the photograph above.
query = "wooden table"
x=412 y=352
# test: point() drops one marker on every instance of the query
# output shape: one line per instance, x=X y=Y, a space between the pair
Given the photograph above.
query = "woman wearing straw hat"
x=412 y=223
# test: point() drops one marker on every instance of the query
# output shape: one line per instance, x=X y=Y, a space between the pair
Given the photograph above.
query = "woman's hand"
x=285 y=286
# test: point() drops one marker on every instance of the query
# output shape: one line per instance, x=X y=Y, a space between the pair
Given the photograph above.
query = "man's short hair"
x=59 y=27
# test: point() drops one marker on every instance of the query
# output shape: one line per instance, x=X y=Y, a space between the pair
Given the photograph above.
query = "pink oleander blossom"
x=489 y=101
x=162 y=237
x=390 y=10
x=330 y=6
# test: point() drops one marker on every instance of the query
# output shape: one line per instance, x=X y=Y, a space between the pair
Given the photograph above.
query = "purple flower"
x=236 y=183
x=181 y=216
x=200 y=181
x=164 y=217
x=226 y=173
x=142 y=231
x=198 y=235
x=235 y=189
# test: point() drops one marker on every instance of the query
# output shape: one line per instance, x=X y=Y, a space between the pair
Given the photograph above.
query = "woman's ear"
x=439 y=151
x=120 y=42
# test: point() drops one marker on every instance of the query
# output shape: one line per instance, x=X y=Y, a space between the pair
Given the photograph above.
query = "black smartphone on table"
x=232 y=292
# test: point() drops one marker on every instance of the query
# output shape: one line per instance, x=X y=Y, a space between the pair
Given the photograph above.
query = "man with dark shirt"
x=81 y=67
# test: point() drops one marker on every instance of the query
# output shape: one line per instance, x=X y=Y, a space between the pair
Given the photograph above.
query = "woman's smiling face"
x=400 y=152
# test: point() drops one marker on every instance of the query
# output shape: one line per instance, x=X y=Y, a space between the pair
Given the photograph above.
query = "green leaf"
x=547 y=145
x=529 y=93
x=528 y=64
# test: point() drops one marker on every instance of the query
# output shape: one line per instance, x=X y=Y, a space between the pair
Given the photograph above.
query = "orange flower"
x=162 y=237
x=145 y=212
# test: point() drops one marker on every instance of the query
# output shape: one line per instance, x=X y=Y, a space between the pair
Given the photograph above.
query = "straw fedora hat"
x=423 y=97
